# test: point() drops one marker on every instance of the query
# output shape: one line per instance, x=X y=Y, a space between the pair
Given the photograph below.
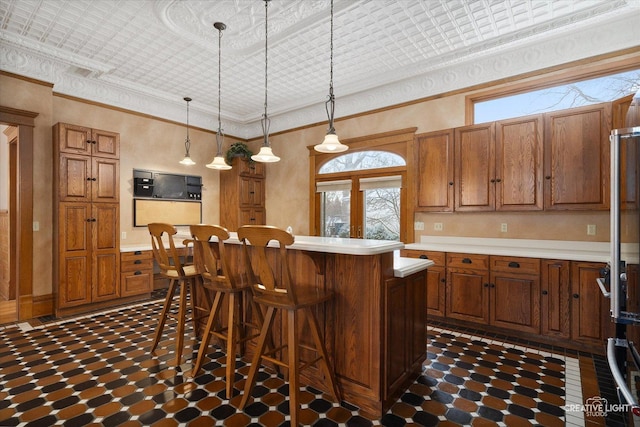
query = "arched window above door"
x=362 y=160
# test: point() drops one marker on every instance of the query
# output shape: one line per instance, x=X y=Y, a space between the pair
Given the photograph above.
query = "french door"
x=362 y=206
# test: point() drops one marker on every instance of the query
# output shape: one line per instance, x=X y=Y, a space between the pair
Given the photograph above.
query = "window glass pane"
x=362 y=160
x=382 y=214
x=586 y=92
x=335 y=213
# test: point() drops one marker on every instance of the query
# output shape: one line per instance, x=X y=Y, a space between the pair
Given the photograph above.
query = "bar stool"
x=280 y=293
x=172 y=268
x=212 y=264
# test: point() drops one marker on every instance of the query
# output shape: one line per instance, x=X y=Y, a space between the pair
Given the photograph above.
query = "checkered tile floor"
x=97 y=370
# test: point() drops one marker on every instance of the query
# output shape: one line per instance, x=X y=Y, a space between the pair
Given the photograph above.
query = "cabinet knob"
x=486 y=285
x=498 y=180
x=493 y=285
x=576 y=296
x=493 y=180
x=545 y=292
x=547 y=177
x=450 y=182
x=138 y=261
x=137 y=273
x=443 y=280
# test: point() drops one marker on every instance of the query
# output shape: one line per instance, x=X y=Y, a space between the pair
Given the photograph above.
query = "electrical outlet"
x=123 y=235
x=591 y=229
x=418 y=225
x=437 y=226
x=503 y=227
x=36 y=226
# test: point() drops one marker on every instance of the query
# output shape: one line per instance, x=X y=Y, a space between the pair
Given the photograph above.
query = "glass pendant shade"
x=218 y=163
x=331 y=144
x=187 y=160
x=265 y=155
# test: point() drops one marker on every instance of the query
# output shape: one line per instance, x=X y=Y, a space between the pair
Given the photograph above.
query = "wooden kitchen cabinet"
x=88 y=254
x=136 y=273
x=475 y=168
x=242 y=194
x=590 y=320
x=555 y=298
x=576 y=165
x=514 y=293
x=405 y=329
x=435 y=171
x=435 y=280
x=467 y=287
x=87 y=217
x=519 y=164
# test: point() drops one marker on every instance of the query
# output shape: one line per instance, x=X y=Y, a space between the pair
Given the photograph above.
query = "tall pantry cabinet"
x=86 y=216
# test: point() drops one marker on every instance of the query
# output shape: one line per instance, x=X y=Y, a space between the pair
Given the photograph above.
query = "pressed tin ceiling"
x=147 y=55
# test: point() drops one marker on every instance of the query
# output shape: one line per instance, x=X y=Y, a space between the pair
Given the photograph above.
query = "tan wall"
x=159 y=145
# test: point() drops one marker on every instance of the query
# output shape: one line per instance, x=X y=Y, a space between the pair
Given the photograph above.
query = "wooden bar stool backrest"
x=168 y=259
x=261 y=274
x=210 y=258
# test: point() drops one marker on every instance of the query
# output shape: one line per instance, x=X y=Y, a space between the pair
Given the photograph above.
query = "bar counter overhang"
x=374 y=327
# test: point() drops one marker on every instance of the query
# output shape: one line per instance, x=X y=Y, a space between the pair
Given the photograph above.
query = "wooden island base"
x=374 y=327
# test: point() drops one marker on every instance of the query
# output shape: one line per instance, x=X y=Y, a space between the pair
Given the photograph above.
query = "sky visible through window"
x=577 y=94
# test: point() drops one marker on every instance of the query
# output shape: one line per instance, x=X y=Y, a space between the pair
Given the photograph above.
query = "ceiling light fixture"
x=265 y=155
x=187 y=142
x=218 y=161
x=331 y=143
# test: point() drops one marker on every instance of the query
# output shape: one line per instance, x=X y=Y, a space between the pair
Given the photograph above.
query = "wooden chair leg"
x=206 y=337
x=255 y=363
x=182 y=312
x=231 y=345
x=328 y=371
x=293 y=362
x=163 y=315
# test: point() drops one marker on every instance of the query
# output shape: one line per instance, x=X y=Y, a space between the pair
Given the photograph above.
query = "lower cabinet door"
x=467 y=295
x=136 y=282
x=515 y=302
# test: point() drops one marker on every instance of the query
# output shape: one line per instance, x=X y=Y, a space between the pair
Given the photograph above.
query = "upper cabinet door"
x=519 y=164
x=577 y=158
x=434 y=152
x=74 y=139
x=475 y=168
x=105 y=144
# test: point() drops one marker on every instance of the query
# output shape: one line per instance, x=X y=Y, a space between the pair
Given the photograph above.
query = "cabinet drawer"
x=438 y=258
x=136 y=282
x=132 y=256
x=515 y=264
x=137 y=260
x=468 y=261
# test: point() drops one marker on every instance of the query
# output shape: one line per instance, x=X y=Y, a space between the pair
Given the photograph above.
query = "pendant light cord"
x=187 y=142
x=265 y=117
x=330 y=105
x=219 y=135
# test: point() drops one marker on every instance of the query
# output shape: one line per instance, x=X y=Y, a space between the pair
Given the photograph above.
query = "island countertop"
x=402 y=267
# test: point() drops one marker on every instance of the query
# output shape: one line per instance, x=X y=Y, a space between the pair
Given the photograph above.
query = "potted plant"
x=238 y=149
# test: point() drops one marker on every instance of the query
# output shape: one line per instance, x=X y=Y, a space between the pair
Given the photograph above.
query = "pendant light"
x=187 y=142
x=265 y=155
x=218 y=161
x=331 y=143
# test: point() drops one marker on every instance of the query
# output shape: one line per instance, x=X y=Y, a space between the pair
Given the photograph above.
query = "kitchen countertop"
x=402 y=267
x=550 y=249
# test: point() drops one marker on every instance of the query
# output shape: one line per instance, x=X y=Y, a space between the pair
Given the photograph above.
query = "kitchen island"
x=375 y=325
